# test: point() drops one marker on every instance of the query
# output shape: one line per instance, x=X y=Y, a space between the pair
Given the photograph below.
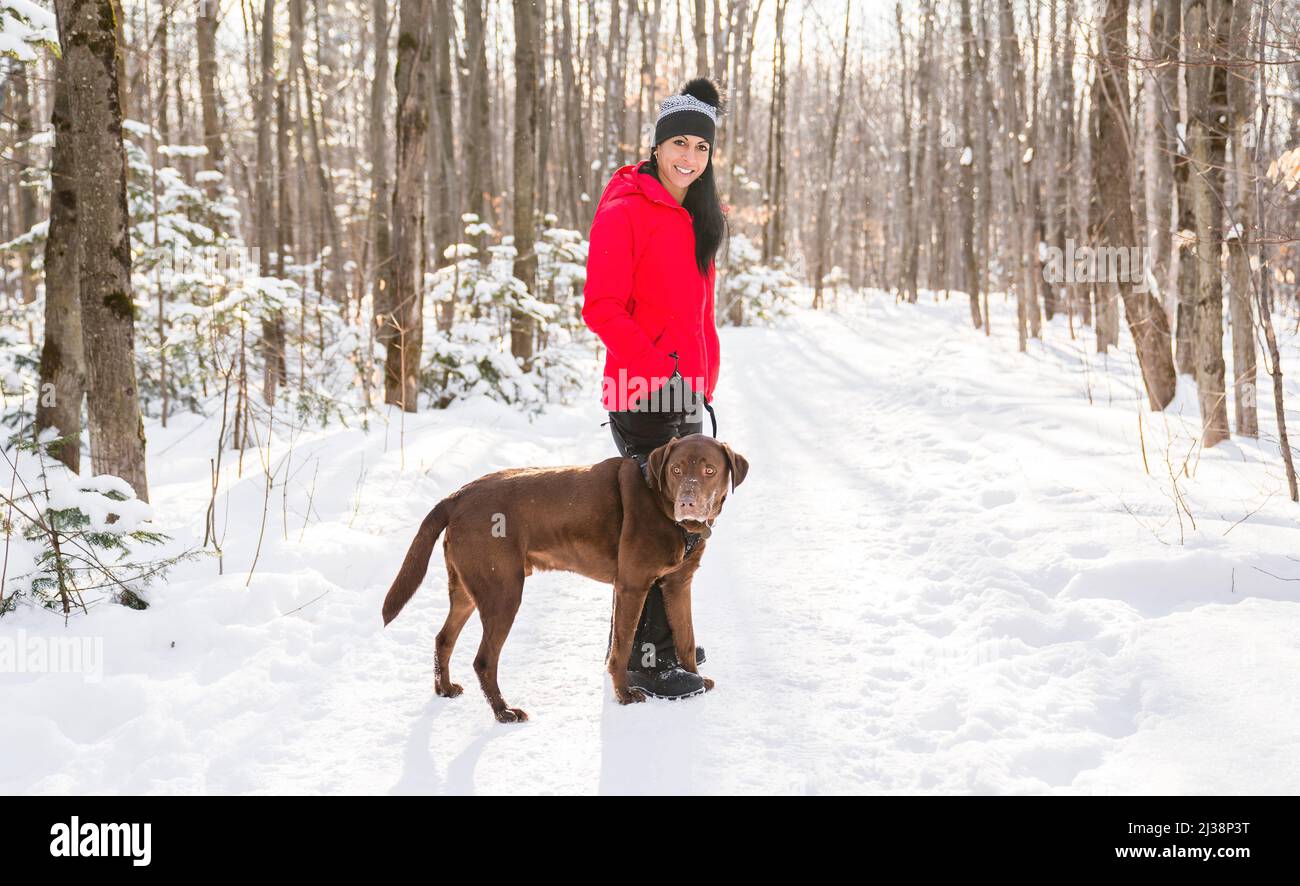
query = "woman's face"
x=682 y=159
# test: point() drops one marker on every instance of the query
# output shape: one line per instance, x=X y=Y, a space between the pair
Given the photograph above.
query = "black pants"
x=636 y=434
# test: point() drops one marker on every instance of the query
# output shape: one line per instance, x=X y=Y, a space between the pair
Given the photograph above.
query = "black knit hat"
x=694 y=111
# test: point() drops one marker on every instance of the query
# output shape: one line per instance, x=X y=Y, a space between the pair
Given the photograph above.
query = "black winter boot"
x=670 y=683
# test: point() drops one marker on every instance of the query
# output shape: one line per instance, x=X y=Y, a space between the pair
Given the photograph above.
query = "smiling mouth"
x=684 y=171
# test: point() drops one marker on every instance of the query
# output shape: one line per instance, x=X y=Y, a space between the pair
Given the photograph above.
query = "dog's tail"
x=416 y=563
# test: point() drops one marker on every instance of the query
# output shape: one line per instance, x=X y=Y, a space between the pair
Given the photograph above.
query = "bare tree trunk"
x=404 y=332
x=1160 y=140
x=1072 y=160
x=966 y=198
x=648 y=19
x=935 y=227
x=1028 y=103
x=823 y=213
x=1054 y=177
x=446 y=211
x=329 y=224
x=26 y=196
x=1105 y=309
x=379 y=146
x=611 y=131
x=90 y=53
x=164 y=78
x=381 y=303
x=607 y=107
x=701 y=39
x=1241 y=101
x=773 y=235
x=1183 y=270
x=1264 y=303
x=270 y=344
x=546 y=115
x=1111 y=150
x=921 y=169
x=205 y=25
x=1188 y=271
x=308 y=198
x=984 y=158
x=1207 y=103
x=745 y=86
x=185 y=132
x=284 y=233
x=720 y=35
x=527 y=74
x=577 y=167
x=124 y=94
x=907 y=284
x=1291 y=217
x=63 y=371
x=319 y=122
x=474 y=93
x=1012 y=119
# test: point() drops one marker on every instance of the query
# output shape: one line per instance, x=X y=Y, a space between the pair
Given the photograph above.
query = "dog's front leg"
x=629 y=600
x=677 y=606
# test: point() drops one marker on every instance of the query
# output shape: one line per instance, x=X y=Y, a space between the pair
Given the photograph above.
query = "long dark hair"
x=701 y=200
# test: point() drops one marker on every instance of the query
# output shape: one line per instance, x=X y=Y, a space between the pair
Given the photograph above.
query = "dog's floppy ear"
x=658 y=459
x=739 y=466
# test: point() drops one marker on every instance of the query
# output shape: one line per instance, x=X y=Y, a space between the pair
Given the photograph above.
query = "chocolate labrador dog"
x=603 y=521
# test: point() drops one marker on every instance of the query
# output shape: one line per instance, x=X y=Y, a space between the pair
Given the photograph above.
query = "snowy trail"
x=946 y=572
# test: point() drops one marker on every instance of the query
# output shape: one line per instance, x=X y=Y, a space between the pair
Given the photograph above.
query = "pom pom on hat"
x=703 y=89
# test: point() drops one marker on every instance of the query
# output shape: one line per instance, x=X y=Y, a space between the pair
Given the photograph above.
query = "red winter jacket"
x=645 y=298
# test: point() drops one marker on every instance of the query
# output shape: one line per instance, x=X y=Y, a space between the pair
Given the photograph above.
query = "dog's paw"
x=453 y=690
x=629 y=696
x=511 y=715
x=708 y=684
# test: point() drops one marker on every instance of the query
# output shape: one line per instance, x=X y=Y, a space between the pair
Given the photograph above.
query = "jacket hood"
x=629 y=183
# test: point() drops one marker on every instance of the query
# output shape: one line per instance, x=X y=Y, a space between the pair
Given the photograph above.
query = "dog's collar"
x=691 y=539
x=704 y=531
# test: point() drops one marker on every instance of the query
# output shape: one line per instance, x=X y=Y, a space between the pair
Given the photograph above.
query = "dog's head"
x=691 y=472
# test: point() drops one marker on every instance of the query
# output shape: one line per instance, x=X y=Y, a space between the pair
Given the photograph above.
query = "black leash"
x=712 y=417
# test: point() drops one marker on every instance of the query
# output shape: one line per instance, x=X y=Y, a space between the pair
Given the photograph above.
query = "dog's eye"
x=709 y=471
x=677 y=470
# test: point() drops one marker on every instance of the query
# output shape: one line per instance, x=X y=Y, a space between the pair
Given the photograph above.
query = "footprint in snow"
x=995 y=498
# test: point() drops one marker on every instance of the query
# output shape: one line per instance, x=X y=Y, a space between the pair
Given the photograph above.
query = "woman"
x=649 y=297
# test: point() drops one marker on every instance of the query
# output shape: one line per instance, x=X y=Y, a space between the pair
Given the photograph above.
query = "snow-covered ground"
x=948 y=571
